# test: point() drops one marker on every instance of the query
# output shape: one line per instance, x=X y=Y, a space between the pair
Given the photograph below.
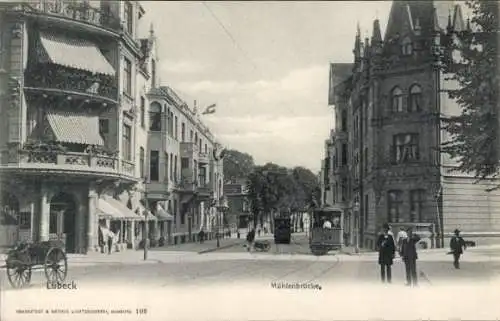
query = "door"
x=68 y=220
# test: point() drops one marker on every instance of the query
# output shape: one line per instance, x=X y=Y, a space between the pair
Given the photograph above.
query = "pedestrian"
x=250 y=239
x=258 y=232
x=386 y=250
x=201 y=236
x=111 y=238
x=410 y=256
x=402 y=235
x=457 y=246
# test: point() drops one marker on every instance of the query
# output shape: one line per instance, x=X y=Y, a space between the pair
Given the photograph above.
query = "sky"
x=266 y=68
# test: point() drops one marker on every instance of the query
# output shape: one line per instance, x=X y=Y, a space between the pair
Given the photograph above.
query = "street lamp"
x=356 y=211
x=146 y=223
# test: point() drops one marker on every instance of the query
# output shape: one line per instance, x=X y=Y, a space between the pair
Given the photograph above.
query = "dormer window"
x=128 y=17
x=407 y=47
x=397 y=100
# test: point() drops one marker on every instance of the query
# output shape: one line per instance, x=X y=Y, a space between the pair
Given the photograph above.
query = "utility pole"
x=146 y=222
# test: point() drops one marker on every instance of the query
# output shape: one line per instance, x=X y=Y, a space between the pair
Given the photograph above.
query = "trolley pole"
x=146 y=223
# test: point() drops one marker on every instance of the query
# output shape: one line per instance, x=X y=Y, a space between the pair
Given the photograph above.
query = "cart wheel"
x=56 y=265
x=19 y=271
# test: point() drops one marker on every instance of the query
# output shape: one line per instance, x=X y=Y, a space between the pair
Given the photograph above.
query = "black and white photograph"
x=249 y=160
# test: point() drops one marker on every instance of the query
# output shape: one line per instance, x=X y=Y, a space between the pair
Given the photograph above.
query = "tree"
x=474 y=132
x=237 y=165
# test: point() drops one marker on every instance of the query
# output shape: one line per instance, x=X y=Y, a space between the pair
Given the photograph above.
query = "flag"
x=209 y=110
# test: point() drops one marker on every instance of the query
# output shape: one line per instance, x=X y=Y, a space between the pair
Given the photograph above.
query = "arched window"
x=407 y=47
x=397 y=100
x=415 y=99
x=155 y=117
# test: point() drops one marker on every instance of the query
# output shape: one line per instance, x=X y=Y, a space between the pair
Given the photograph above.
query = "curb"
x=218 y=248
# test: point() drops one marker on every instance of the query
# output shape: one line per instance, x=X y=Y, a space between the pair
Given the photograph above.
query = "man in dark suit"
x=409 y=255
x=386 y=249
x=457 y=245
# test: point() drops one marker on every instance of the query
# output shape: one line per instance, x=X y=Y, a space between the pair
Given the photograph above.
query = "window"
x=143 y=112
x=200 y=144
x=206 y=148
x=344 y=121
x=155 y=117
x=103 y=126
x=203 y=175
x=405 y=148
x=344 y=154
x=344 y=190
x=153 y=73
x=191 y=136
x=24 y=220
x=154 y=168
x=166 y=168
x=397 y=100
x=394 y=205
x=415 y=99
x=176 y=129
x=183 y=132
x=127 y=142
x=128 y=17
x=141 y=162
x=366 y=208
x=196 y=138
x=127 y=77
x=175 y=168
x=406 y=47
x=184 y=163
x=172 y=168
x=416 y=205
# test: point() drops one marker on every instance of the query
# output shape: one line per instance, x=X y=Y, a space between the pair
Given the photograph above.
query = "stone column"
x=91 y=219
x=44 y=208
x=80 y=244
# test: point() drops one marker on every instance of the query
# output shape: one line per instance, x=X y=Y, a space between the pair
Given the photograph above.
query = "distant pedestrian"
x=258 y=232
x=250 y=239
x=386 y=249
x=457 y=246
x=402 y=235
x=201 y=236
x=410 y=256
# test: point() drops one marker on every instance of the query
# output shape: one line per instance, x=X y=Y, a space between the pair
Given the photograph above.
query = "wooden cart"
x=26 y=257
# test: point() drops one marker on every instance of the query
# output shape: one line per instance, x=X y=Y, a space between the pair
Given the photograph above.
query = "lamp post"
x=146 y=223
x=357 y=218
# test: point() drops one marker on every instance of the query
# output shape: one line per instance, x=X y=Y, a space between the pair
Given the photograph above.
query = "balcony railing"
x=71 y=161
x=203 y=158
x=80 y=11
x=69 y=80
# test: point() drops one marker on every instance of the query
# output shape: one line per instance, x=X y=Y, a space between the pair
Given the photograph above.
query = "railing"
x=64 y=79
x=74 y=161
x=78 y=11
x=203 y=158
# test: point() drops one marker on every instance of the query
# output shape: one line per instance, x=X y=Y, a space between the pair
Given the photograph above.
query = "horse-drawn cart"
x=25 y=257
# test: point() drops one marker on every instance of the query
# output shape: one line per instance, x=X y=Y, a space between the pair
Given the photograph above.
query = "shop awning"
x=74 y=53
x=162 y=214
x=126 y=213
x=72 y=127
x=104 y=209
x=140 y=212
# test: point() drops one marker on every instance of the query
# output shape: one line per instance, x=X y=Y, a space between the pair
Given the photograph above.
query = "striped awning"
x=126 y=213
x=162 y=214
x=141 y=210
x=71 y=127
x=74 y=53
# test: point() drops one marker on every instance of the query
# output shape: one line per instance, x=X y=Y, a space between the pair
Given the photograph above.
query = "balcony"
x=157 y=190
x=203 y=158
x=189 y=150
x=61 y=80
x=78 y=11
x=63 y=162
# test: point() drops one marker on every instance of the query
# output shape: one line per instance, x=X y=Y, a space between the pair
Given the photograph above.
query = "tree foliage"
x=237 y=165
x=474 y=132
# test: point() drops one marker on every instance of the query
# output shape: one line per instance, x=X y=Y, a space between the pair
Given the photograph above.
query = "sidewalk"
x=205 y=247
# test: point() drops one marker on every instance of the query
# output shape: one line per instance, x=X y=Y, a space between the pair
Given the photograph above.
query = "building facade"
x=388 y=161
x=238 y=214
x=185 y=167
x=74 y=77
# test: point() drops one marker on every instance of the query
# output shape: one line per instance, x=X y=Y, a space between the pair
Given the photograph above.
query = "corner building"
x=185 y=167
x=387 y=160
x=73 y=77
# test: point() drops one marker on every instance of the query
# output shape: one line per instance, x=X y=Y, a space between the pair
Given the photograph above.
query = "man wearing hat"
x=410 y=256
x=457 y=245
x=386 y=250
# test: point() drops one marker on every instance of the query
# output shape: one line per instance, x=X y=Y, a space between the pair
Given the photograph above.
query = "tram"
x=326 y=230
